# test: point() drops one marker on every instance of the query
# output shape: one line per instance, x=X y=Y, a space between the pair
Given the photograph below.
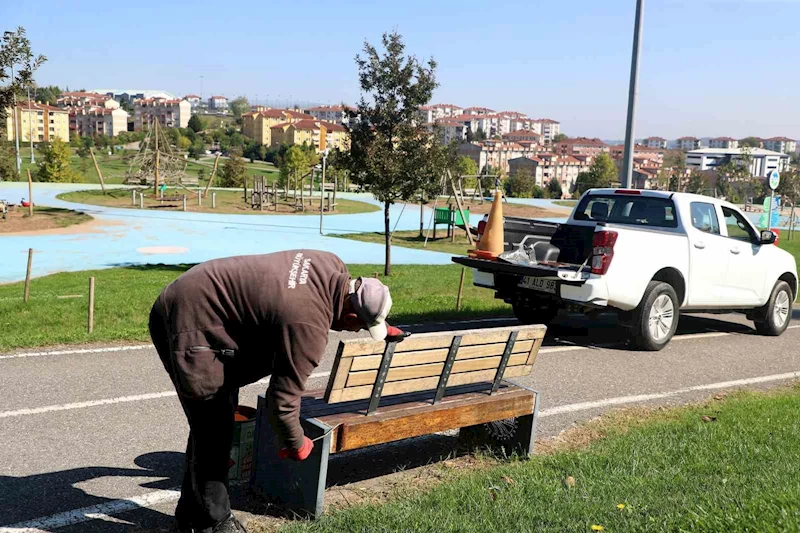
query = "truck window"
x=634 y=210
x=704 y=217
x=738 y=228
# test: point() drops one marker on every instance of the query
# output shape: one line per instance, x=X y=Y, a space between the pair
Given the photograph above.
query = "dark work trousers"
x=204 y=498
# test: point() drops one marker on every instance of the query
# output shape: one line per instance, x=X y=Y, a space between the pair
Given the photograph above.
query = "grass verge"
x=228 y=202
x=57 y=310
x=44 y=218
x=727 y=465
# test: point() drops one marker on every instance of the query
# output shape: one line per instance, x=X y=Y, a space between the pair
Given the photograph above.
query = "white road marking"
x=621 y=400
x=101 y=511
x=77 y=351
x=112 y=401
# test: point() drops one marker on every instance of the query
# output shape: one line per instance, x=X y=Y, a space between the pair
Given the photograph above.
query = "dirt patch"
x=45 y=220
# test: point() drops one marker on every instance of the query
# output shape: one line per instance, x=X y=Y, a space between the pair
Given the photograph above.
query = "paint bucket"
x=244 y=428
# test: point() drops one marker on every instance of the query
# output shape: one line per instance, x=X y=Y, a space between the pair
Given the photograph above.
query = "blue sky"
x=708 y=67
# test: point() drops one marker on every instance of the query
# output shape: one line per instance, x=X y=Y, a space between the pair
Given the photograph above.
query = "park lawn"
x=228 y=202
x=664 y=470
x=566 y=203
x=411 y=239
x=57 y=310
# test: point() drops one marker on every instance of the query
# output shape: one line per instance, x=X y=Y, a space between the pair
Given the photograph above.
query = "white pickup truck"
x=649 y=255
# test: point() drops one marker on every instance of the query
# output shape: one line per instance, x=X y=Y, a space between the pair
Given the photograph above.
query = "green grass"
x=411 y=239
x=115 y=168
x=671 y=471
x=228 y=202
x=124 y=297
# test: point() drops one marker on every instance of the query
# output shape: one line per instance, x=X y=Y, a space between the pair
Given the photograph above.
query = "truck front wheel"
x=534 y=312
x=773 y=318
x=656 y=318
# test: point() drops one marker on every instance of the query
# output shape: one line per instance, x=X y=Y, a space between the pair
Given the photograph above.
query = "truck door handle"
x=735 y=251
x=699 y=245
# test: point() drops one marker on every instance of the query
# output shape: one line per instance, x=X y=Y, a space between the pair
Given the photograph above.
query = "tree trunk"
x=421 y=215
x=387 y=270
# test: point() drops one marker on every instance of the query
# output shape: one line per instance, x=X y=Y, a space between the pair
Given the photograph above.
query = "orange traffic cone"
x=491 y=243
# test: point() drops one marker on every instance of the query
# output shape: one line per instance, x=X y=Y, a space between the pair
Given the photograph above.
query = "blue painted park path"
x=121 y=237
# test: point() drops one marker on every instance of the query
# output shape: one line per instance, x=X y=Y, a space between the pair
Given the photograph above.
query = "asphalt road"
x=93 y=437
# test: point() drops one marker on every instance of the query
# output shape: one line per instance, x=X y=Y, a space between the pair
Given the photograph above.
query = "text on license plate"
x=538 y=284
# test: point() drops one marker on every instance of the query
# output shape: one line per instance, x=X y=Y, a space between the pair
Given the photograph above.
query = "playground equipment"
x=450 y=218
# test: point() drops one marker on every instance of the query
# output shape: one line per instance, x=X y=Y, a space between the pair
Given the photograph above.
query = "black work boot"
x=229 y=525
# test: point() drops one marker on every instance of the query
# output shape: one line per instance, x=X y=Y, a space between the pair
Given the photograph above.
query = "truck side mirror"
x=768 y=237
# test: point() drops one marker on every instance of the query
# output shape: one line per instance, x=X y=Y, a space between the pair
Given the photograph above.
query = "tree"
x=466 y=166
x=554 y=189
x=520 y=185
x=750 y=142
x=697 y=183
x=48 y=94
x=602 y=173
x=184 y=143
x=239 y=106
x=393 y=155
x=233 y=172
x=8 y=166
x=197 y=149
x=480 y=135
x=55 y=166
x=17 y=65
x=196 y=123
x=559 y=137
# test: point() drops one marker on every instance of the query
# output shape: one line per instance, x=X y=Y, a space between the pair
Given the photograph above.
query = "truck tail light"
x=481 y=227
x=603 y=251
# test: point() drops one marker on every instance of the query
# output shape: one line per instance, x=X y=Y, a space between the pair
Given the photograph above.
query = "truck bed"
x=540 y=271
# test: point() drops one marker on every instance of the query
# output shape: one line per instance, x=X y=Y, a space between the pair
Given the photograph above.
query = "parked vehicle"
x=648 y=255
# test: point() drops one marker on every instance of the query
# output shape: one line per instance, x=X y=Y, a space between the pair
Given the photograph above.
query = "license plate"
x=538 y=284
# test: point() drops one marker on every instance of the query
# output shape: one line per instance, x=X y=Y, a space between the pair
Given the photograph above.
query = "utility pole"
x=30 y=124
x=627 y=161
x=155 y=180
x=17 y=114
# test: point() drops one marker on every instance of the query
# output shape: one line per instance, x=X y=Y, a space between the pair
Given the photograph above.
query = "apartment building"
x=89 y=121
x=723 y=142
x=495 y=153
x=762 y=161
x=781 y=144
x=641 y=152
x=258 y=124
x=194 y=100
x=42 y=122
x=218 y=103
x=321 y=135
x=656 y=142
x=581 y=146
x=335 y=114
x=688 y=143
x=169 y=113
x=547 y=166
x=547 y=127
x=524 y=135
x=86 y=99
x=478 y=111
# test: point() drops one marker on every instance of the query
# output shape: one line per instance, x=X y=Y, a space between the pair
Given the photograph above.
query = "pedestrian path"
x=123 y=237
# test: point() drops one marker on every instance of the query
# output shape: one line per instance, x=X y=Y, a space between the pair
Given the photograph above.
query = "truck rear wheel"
x=773 y=318
x=534 y=312
x=656 y=319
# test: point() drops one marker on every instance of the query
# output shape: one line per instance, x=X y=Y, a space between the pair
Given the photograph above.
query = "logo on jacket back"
x=299 y=271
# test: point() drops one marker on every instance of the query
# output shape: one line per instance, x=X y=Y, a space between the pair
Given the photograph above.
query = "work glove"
x=394 y=334
x=298 y=455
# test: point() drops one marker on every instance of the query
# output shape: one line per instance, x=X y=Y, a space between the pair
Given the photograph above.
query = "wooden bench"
x=382 y=392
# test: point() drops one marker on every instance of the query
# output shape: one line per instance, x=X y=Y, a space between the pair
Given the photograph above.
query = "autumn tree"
x=233 y=171
x=392 y=154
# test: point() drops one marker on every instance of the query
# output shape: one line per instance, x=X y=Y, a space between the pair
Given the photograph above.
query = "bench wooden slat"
x=422 y=418
x=372 y=362
x=434 y=369
x=420 y=384
x=429 y=341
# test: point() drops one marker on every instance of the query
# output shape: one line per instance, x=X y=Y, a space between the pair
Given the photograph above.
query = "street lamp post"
x=627 y=161
x=322 y=189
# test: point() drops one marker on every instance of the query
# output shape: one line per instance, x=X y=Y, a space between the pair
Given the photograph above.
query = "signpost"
x=774 y=181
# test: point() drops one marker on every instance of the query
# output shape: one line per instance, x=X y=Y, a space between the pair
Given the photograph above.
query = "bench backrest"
x=422 y=361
